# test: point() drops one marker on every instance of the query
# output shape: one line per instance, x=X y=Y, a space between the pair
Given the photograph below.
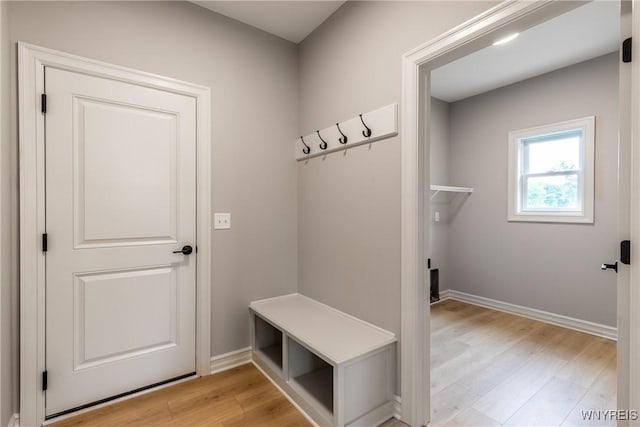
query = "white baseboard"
x=14 y=421
x=397 y=407
x=376 y=417
x=444 y=294
x=230 y=360
x=585 y=326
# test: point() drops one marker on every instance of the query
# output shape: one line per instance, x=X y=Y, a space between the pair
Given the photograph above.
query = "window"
x=551 y=172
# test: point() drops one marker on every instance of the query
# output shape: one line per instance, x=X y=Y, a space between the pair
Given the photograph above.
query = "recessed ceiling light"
x=506 y=39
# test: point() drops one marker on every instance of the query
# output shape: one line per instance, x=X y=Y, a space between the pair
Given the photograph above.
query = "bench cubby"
x=338 y=369
x=268 y=341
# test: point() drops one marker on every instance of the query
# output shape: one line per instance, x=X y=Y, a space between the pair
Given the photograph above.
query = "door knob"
x=613 y=266
x=186 y=250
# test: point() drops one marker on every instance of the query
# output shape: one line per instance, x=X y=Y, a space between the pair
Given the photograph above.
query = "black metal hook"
x=306 y=149
x=366 y=133
x=323 y=144
x=343 y=139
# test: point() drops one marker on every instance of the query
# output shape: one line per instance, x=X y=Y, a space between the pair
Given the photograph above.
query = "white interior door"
x=120 y=199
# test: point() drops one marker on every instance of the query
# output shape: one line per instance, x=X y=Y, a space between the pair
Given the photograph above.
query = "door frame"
x=32 y=61
x=460 y=41
x=633 y=326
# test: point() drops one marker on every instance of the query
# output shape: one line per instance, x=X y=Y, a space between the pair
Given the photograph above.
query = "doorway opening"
x=496 y=212
x=523 y=196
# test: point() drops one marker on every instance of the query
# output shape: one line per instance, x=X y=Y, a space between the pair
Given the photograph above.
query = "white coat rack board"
x=378 y=124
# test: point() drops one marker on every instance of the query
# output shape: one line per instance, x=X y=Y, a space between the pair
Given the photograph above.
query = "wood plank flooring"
x=238 y=397
x=490 y=368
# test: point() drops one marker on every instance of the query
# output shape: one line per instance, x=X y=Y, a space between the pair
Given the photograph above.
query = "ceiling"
x=291 y=20
x=583 y=33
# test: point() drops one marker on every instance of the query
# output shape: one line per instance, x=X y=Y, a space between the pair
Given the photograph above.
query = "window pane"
x=559 y=153
x=552 y=193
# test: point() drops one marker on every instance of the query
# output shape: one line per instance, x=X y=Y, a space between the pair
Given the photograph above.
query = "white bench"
x=339 y=369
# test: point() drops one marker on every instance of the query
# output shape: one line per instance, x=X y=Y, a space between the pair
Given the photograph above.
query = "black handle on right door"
x=186 y=250
x=613 y=266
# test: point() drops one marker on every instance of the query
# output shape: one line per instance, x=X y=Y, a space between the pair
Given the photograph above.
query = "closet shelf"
x=448 y=189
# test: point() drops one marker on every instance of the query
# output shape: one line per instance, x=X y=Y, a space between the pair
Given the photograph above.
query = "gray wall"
x=349 y=202
x=7 y=209
x=441 y=202
x=551 y=267
x=254 y=119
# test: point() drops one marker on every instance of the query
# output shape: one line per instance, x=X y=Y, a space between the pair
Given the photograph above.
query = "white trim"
x=634 y=297
x=31 y=63
x=444 y=295
x=376 y=417
x=412 y=277
x=285 y=394
x=14 y=421
x=397 y=407
x=579 y=325
x=464 y=39
x=230 y=360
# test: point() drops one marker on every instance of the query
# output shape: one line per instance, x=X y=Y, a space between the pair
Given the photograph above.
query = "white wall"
x=550 y=267
x=253 y=79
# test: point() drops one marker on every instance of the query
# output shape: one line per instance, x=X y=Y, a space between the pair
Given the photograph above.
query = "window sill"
x=561 y=218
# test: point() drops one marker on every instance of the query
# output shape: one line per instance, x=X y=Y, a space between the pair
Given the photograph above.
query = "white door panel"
x=98 y=295
x=120 y=198
x=143 y=151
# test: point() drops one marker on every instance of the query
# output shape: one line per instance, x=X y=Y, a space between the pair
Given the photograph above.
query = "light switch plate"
x=221 y=221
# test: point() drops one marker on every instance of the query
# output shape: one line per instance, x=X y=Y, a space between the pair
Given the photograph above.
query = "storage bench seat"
x=339 y=369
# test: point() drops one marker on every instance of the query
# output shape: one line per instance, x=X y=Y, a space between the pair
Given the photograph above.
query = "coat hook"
x=366 y=133
x=306 y=149
x=343 y=139
x=323 y=144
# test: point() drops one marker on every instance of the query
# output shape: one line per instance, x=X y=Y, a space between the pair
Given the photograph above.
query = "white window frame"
x=585 y=174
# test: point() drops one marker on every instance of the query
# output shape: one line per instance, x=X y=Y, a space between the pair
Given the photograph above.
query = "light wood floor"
x=238 y=397
x=490 y=368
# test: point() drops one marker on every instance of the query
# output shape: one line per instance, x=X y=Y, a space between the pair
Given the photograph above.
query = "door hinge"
x=428 y=263
x=626 y=50
x=43 y=102
x=44 y=381
x=625 y=252
x=45 y=242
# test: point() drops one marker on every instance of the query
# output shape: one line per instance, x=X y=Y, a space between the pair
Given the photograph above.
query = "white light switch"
x=222 y=221
x=437 y=216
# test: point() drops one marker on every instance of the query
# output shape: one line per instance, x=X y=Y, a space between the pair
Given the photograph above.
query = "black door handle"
x=186 y=250
x=613 y=266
